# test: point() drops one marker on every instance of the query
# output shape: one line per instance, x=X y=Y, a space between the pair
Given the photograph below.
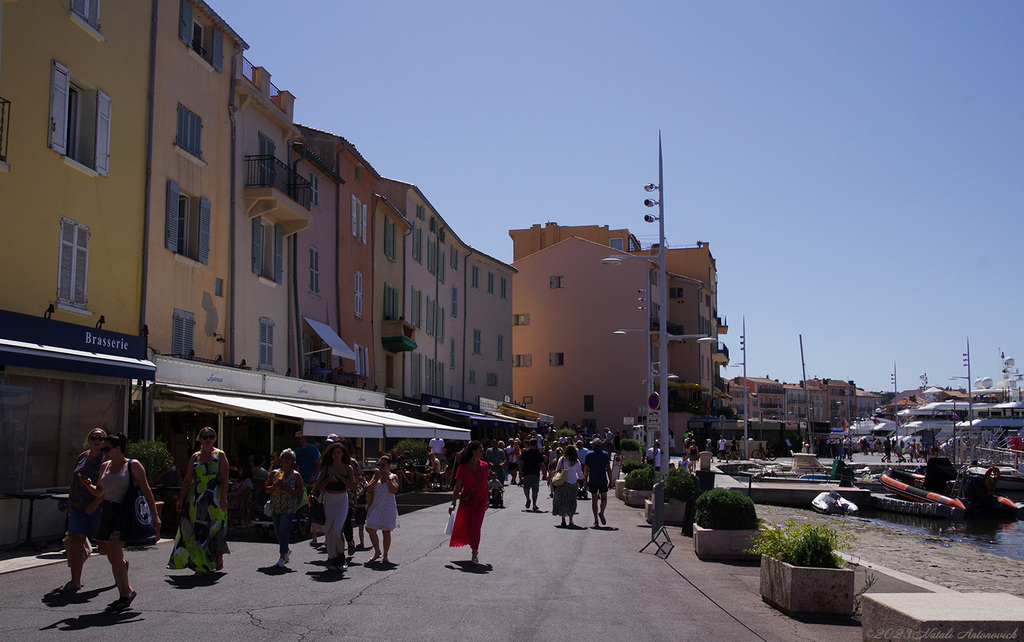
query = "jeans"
x=283 y=530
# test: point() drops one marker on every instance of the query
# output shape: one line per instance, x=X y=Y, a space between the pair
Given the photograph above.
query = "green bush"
x=681 y=485
x=154 y=455
x=642 y=478
x=568 y=433
x=630 y=465
x=631 y=445
x=417 y=448
x=726 y=509
x=802 y=545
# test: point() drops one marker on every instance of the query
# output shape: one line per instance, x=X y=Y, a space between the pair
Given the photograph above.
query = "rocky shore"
x=955 y=565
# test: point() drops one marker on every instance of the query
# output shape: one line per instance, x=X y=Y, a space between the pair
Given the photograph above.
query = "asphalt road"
x=535 y=582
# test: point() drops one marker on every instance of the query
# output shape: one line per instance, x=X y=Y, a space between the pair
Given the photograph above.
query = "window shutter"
x=358 y=293
x=78 y=6
x=67 y=260
x=279 y=253
x=355 y=216
x=102 y=133
x=189 y=324
x=185 y=22
x=217 y=50
x=94 y=13
x=171 y=240
x=363 y=223
x=81 y=263
x=60 y=80
x=204 y=231
x=257 y=244
x=177 y=333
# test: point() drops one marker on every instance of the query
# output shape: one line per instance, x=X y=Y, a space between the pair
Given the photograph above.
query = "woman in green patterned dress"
x=202 y=533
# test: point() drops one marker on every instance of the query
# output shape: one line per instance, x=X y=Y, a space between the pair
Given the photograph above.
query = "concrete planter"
x=631 y=455
x=675 y=512
x=620 y=489
x=636 y=498
x=798 y=591
x=721 y=544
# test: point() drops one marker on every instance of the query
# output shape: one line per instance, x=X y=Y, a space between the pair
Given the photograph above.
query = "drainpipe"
x=146 y=406
x=232 y=109
x=294 y=294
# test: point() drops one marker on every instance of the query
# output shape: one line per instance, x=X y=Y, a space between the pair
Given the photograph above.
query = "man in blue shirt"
x=307 y=457
x=597 y=469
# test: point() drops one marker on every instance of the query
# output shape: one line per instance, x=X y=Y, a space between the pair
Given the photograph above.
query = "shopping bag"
x=451 y=524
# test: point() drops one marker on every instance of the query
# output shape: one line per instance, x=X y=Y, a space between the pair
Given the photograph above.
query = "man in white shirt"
x=436 y=446
x=723 y=447
x=654 y=454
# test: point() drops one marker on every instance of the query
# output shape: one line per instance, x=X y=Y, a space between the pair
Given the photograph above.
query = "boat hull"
x=908 y=491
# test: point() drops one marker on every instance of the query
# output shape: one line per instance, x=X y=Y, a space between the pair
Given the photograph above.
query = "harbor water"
x=1004 y=538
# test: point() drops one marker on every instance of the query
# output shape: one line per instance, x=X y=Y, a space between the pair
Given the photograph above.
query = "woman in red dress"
x=470 y=493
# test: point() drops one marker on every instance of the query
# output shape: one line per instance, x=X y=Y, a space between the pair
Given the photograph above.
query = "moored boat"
x=943 y=484
x=832 y=503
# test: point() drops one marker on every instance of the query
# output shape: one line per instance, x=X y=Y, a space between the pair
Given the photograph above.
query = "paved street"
x=536 y=582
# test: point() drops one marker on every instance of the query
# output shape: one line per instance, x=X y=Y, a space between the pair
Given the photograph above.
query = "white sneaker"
x=288 y=557
x=281 y=562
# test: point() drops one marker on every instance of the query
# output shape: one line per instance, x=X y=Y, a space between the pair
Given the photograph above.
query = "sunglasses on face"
x=105 y=449
x=207 y=436
x=96 y=437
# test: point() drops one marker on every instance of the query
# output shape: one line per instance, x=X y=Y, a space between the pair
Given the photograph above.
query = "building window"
x=588 y=403
x=556 y=359
x=477 y=341
x=522 y=360
x=492 y=379
x=182 y=326
x=358 y=287
x=187 y=224
x=490 y=283
x=79 y=120
x=314 y=270
x=88 y=10
x=189 y=135
x=454 y=255
x=501 y=348
x=455 y=302
x=314 y=189
x=615 y=244
x=74 y=263
x=451 y=355
x=390 y=302
x=390 y=239
x=358 y=219
x=201 y=36
x=471 y=376
x=416 y=299
x=266 y=344
x=521 y=319
x=475 y=278
x=416 y=365
x=267 y=249
x=504 y=288
x=421 y=212
x=362 y=360
x=556 y=282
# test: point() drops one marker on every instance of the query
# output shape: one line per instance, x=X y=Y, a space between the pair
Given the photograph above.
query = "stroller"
x=496 y=492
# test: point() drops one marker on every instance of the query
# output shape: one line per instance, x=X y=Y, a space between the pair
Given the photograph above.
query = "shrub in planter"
x=726 y=509
x=630 y=445
x=803 y=544
x=154 y=455
x=642 y=478
x=681 y=485
x=630 y=465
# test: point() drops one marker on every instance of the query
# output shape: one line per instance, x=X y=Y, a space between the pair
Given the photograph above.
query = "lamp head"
x=649 y=218
x=650 y=202
x=650 y=187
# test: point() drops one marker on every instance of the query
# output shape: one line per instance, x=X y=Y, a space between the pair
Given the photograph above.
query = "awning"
x=396 y=425
x=529 y=423
x=314 y=422
x=331 y=338
x=476 y=419
x=44 y=357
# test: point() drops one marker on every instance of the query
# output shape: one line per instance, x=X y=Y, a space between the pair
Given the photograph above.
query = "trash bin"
x=706 y=478
x=705 y=460
x=841 y=473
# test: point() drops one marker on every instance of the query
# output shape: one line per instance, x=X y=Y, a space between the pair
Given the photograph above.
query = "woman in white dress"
x=382 y=514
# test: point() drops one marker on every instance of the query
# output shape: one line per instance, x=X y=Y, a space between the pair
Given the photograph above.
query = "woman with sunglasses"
x=83 y=518
x=335 y=480
x=202 y=532
x=112 y=486
x=470 y=493
x=382 y=514
x=285 y=488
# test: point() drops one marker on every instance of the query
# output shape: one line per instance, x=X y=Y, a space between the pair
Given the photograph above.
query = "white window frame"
x=87 y=10
x=73 y=263
x=314 y=269
x=357 y=307
x=314 y=189
x=358 y=219
x=69 y=135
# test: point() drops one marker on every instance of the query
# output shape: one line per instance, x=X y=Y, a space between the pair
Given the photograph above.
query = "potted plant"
x=801 y=574
x=631 y=449
x=726 y=523
x=154 y=455
x=639 y=486
x=681 y=487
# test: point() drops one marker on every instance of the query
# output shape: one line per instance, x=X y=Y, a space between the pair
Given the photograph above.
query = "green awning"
x=398 y=343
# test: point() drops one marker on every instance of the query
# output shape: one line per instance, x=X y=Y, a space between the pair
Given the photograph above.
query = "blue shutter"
x=279 y=256
x=257 y=244
x=185 y=22
x=217 y=50
x=172 y=216
x=204 y=231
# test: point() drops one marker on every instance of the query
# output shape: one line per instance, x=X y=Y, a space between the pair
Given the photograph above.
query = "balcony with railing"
x=275 y=190
x=259 y=86
x=5 y=112
x=720 y=354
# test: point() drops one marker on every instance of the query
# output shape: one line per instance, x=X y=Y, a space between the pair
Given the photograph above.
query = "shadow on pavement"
x=192 y=581
x=274 y=570
x=93 y=620
x=469 y=567
x=56 y=599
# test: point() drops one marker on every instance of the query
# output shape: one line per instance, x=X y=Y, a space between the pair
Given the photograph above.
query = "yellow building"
x=76 y=77
x=393 y=334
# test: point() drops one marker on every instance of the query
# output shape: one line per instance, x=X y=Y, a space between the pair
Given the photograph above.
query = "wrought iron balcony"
x=5 y=111
x=268 y=171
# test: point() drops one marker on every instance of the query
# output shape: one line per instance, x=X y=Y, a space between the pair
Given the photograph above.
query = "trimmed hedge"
x=642 y=478
x=681 y=485
x=630 y=465
x=631 y=445
x=726 y=509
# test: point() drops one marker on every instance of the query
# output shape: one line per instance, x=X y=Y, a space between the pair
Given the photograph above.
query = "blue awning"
x=476 y=419
x=45 y=357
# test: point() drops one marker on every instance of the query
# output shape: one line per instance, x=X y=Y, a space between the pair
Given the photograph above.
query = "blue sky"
x=857 y=167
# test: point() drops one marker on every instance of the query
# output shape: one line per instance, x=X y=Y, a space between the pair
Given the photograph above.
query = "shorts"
x=513 y=465
x=598 y=489
x=81 y=523
x=531 y=482
x=110 y=518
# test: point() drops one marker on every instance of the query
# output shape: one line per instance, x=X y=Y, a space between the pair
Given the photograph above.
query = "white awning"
x=331 y=338
x=395 y=425
x=314 y=422
x=34 y=355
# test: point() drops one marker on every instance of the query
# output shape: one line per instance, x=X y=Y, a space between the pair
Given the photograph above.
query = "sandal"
x=376 y=556
x=122 y=603
x=68 y=588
